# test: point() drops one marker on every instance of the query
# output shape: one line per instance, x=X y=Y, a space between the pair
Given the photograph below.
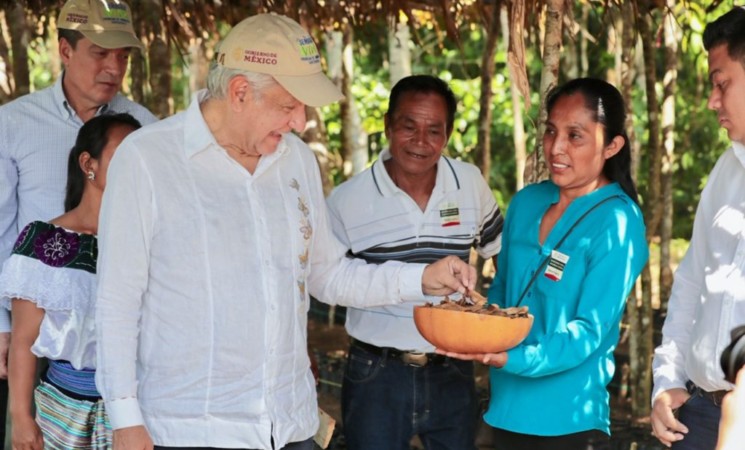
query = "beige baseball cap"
x=278 y=46
x=107 y=23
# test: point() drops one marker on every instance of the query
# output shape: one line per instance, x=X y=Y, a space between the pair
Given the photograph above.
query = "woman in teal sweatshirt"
x=572 y=248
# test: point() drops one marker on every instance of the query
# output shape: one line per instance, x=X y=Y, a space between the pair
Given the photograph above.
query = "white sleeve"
x=337 y=279
x=125 y=231
x=668 y=366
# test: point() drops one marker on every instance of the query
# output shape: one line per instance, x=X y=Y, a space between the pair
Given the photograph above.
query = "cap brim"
x=313 y=90
x=113 y=39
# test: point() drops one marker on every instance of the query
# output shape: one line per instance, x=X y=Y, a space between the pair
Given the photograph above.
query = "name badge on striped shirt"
x=556 y=264
x=449 y=214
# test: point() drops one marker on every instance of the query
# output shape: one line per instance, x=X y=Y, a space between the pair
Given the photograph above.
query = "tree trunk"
x=668 y=156
x=483 y=145
x=640 y=347
x=354 y=138
x=6 y=75
x=159 y=57
x=20 y=36
x=198 y=66
x=641 y=356
x=399 y=55
x=627 y=74
x=138 y=75
x=315 y=136
x=137 y=71
x=653 y=213
x=514 y=35
x=584 y=61
x=55 y=64
x=615 y=48
x=536 y=169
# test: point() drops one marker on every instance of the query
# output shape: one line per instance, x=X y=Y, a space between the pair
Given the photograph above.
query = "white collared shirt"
x=205 y=272
x=37 y=132
x=708 y=295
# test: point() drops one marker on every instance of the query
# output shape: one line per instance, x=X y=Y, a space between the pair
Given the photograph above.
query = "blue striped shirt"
x=37 y=132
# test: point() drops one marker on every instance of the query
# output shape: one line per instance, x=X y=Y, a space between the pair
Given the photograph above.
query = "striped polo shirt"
x=380 y=222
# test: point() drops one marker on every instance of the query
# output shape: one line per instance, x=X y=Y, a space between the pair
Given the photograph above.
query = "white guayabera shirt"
x=205 y=272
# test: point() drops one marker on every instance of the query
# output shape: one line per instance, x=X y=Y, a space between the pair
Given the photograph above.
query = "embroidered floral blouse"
x=56 y=269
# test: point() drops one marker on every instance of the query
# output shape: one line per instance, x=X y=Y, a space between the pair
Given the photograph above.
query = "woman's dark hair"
x=92 y=138
x=425 y=84
x=608 y=109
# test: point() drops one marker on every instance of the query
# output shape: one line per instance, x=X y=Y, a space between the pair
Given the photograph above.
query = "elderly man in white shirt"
x=213 y=234
x=708 y=296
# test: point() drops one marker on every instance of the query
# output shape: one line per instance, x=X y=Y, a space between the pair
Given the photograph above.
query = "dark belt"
x=715 y=397
x=414 y=359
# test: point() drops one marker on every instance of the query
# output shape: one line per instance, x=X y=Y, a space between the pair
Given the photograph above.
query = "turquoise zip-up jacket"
x=554 y=382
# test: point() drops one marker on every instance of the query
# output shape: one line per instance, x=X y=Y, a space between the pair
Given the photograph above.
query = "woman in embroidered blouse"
x=49 y=283
x=550 y=392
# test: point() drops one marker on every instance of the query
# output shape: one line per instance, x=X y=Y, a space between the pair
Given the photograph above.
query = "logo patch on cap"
x=308 y=50
x=116 y=13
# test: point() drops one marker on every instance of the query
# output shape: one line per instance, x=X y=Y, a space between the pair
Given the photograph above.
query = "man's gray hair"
x=219 y=77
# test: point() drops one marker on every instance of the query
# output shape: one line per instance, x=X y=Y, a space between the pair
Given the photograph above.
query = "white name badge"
x=556 y=264
x=449 y=214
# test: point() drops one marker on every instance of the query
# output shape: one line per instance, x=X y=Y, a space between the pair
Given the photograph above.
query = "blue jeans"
x=701 y=415
x=386 y=402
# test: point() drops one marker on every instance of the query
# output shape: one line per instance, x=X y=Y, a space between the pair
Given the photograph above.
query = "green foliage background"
x=698 y=140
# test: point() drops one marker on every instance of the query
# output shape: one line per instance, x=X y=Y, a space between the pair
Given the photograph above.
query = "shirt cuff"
x=124 y=413
x=410 y=282
x=4 y=320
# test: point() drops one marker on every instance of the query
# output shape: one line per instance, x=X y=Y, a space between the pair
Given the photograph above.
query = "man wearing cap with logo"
x=213 y=235
x=38 y=130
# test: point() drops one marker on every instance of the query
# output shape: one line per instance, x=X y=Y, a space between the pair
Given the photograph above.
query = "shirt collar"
x=65 y=109
x=197 y=135
x=739 y=150
x=447 y=180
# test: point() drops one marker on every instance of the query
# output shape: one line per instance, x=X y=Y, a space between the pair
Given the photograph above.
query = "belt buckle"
x=414 y=359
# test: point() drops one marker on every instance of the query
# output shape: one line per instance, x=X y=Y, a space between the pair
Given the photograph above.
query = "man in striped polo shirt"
x=412 y=205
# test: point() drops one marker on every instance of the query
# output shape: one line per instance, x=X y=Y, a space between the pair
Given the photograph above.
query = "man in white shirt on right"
x=708 y=296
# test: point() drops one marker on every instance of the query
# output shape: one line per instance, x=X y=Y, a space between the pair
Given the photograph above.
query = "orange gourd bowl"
x=469 y=332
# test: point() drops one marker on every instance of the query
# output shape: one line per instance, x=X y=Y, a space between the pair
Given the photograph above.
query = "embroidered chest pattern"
x=306 y=231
